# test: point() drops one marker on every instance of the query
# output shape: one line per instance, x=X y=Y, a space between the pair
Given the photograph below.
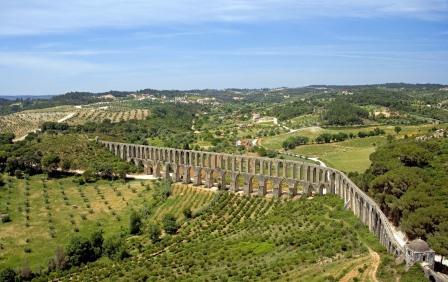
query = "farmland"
x=22 y=123
x=349 y=155
x=241 y=238
x=46 y=213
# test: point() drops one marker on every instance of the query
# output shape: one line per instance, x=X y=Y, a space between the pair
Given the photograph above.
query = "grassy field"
x=46 y=213
x=349 y=155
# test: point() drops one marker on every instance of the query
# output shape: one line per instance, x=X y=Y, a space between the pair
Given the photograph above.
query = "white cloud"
x=46 y=16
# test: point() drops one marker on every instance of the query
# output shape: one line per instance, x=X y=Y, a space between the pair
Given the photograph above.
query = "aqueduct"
x=258 y=176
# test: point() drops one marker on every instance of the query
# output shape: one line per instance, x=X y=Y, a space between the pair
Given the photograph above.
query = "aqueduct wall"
x=259 y=176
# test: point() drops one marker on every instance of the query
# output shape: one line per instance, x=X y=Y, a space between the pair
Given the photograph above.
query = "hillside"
x=239 y=238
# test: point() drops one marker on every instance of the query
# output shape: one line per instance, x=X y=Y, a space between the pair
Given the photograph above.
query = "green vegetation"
x=45 y=213
x=60 y=153
x=241 y=238
x=408 y=180
x=341 y=112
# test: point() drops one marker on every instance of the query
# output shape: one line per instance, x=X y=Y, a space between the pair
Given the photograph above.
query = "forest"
x=408 y=180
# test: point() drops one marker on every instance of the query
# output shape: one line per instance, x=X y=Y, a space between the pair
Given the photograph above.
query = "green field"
x=349 y=155
x=59 y=209
x=32 y=236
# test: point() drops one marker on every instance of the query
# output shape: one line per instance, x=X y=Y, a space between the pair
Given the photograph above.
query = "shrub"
x=154 y=233
x=188 y=213
x=114 y=247
x=8 y=275
x=79 y=251
x=5 y=218
x=135 y=223
x=170 y=224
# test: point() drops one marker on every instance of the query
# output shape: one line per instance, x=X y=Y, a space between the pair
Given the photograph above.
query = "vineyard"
x=237 y=238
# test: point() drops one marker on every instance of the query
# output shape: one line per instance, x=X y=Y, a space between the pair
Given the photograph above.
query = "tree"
x=115 y=248
x=188 y=213
x=8 y=275
x=79 y=251
x=135 y=223
x=97 y=241
x=89 y=175
x=6 y=138
x=397 y=129
x=50 y=162
x=154 y=233
x=170 y=224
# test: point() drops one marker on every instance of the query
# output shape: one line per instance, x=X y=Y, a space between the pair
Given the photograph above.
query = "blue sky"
x=51 y=47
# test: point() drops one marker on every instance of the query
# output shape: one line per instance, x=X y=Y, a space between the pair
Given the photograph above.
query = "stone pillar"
x=190 y=160
x=254 y=168
x=247 y=184
x=233 y=182
x=285 y=169
x=261 y=186
x=222 y=180
x=292 y=187
x=332 y=183
x=261 y=167
x=208 y=158
x=321 y=188
x=277 y=169
x=209 y=178
x=176 y=175
x=294 y=170
x=276 y=187
x=187 y=177
x=212 y=161
x=233 y=161
x=241 y=165
x=166 y=173
x=270 y=168
x=197 y=176
x=156 y=169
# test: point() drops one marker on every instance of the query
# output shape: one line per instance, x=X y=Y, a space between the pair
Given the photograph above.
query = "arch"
x=315 y=175
x=198 y=175
x=215 y=177
x=262 y=189
x=222 y=183
x=308 y=190
x=234 y=184
x=268 y=184
x=292 y=187
x=247 y=183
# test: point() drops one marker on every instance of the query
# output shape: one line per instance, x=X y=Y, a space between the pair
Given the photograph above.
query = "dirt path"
x=374 y=265
x=369 y=274
x=352 y=273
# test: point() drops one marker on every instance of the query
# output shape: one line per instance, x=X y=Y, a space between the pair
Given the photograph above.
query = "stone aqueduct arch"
x=239 y=173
